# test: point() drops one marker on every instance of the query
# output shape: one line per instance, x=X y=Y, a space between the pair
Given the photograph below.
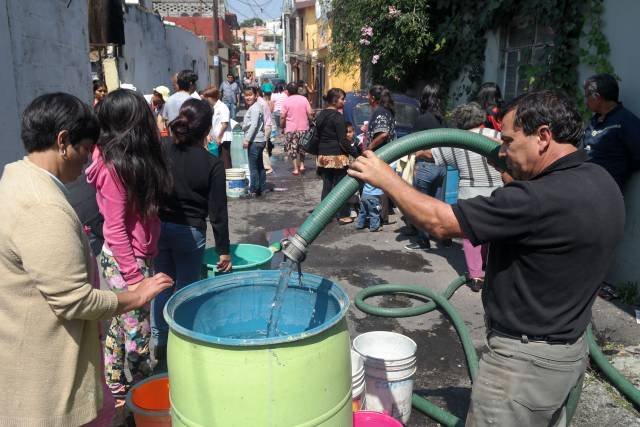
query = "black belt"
x=509 y=333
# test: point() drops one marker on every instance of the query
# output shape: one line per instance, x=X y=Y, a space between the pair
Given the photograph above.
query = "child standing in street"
x=130 y=177
x=370 y=208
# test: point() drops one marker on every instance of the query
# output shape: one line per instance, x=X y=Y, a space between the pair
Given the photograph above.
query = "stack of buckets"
x=357 y=381
x=236 y=182
x=389 y=363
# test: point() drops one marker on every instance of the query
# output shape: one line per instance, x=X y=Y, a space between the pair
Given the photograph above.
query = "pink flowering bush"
x=387 y=38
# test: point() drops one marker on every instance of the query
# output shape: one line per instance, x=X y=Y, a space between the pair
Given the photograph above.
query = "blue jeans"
x=180 y=256
x=370 y=207
x=256 y=167
x=276 y=119
x=429 y=180
x=232 y=108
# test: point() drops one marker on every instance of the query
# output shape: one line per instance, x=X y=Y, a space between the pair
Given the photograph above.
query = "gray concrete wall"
x=44 y=46
x=620 y=26
x=153 y=52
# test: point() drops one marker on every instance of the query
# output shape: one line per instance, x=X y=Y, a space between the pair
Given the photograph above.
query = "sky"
x=264 y=9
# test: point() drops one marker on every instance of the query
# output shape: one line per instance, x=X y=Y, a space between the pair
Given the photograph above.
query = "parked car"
x=357 y=110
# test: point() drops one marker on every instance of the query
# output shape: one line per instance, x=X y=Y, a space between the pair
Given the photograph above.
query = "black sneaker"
x=475 y=284
x=418 y=246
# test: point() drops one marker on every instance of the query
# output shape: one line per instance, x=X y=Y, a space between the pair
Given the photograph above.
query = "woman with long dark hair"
x=429 y=177
x=382 y=124
x=490 y=99
x=131 y=177
x=333 y=160
x=199 y=191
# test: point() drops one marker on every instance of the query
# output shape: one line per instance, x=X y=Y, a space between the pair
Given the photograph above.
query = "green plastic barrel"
x=244 y=256
x=225 y=372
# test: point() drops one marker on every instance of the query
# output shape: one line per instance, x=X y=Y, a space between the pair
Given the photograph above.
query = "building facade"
x=306 y=49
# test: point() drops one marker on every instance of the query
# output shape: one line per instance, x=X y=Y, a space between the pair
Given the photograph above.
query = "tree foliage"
x=441 y=40
x=252 y=22
x=387 y=38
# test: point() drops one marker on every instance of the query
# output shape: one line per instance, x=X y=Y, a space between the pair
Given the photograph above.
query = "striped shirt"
x=473 y=168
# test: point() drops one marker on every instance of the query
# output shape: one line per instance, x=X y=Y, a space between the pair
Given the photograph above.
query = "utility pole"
x=214 y=46
x=244 y=49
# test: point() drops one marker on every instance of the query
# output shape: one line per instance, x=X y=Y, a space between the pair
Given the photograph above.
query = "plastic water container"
x=236 y=182
x=226 y=372
x=451 y=185
x=239 y=155
x=389 y=365
x=374 y=419
x=357 y=381
x=244 y=257
x=149 y=402
x=214 y=149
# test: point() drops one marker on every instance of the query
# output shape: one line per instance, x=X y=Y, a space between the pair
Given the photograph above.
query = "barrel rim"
x=197 y=289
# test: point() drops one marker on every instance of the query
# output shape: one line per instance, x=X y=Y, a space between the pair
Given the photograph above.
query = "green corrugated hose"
x=326 y=211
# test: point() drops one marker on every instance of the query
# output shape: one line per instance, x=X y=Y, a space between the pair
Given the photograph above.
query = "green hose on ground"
x=441 y=300
x=623 y=385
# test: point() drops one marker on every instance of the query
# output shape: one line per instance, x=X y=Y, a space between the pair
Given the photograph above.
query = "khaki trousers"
x=525 y=383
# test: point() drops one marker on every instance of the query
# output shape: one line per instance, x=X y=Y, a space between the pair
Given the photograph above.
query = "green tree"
x=252 y=22
x=399 y=42
x=386 y=37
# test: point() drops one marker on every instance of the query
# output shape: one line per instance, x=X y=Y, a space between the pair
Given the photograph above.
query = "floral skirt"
x=339 y=161
x=292 y=144
x=127 y=357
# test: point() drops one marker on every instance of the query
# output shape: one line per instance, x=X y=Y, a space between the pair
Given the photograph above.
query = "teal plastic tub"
x=244 y=257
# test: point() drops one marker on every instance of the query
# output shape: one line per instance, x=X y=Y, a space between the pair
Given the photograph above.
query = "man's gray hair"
x=468 y=116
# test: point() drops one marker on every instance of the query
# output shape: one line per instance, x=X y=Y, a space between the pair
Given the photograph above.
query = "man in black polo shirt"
x=552 y=231
x=612 y=138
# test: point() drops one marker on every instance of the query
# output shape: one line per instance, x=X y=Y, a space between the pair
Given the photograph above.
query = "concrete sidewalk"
x=358 y=259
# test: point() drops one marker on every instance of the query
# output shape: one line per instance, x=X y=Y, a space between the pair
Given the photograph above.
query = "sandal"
x=294 y=173
x=345 y=221
x=302 y=170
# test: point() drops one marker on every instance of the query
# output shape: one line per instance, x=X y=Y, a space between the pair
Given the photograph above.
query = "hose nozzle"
x=295 y=248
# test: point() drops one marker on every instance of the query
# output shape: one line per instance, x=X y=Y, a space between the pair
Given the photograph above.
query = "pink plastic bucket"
x=374 y=419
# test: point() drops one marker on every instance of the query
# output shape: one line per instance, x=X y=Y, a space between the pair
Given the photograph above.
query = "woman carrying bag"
x=333 y=148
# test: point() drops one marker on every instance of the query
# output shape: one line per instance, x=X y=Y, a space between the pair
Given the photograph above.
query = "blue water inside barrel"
x=234 y=309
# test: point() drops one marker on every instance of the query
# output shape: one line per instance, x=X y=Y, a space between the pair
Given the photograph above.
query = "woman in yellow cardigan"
x=49 y=308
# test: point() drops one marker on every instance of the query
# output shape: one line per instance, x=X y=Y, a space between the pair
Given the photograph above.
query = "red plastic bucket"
x=374 y=419
x=149 y=402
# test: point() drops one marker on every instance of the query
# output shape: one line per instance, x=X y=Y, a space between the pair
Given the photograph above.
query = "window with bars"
x=524 y=43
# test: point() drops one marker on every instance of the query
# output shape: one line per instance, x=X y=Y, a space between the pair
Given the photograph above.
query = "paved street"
x=357 y=259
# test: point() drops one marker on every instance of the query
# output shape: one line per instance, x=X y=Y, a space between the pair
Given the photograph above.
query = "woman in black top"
x=333 y=161
x=199 y=190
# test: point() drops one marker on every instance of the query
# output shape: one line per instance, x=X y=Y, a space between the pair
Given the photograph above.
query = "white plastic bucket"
x=236 y=182
x=389 y=365
x=357 y=381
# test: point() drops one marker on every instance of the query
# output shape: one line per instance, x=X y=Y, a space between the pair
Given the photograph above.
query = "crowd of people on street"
x=155 y=183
